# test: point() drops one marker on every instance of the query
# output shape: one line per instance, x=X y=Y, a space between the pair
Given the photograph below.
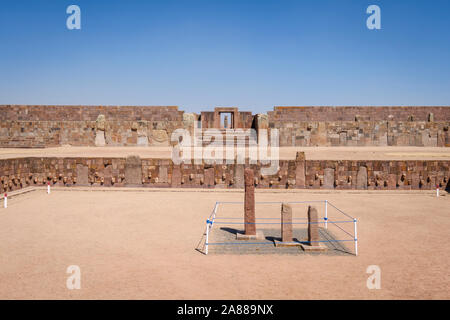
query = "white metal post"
x=356 y=237
x=437 y=191
x=48 y=187
x=207 y=236
x=5 y=201
x=326 y=214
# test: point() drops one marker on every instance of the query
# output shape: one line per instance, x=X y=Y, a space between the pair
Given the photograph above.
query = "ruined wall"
x=48 y=126
x=300 y=173
x=359 y=113
x=362 y=126
x=45 y=126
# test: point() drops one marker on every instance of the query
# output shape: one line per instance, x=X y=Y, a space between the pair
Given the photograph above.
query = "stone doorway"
x=226 y=120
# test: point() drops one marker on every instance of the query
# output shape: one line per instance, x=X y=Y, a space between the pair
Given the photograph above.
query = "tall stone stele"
x=100 y=128
x=313 y=232
x=249 y=203
x=250 y=232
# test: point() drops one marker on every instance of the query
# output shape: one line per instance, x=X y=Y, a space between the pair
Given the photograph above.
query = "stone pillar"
x=328 y=178
x=100 y=128
x=176 y=176
x=133 y=170
x=225 y=122
x=209 y=177
x=82 y=175
x=239 y=174
x=361 y=178
x=249 y=203
x=313 y=227
x=286 y=223
x=300 y=169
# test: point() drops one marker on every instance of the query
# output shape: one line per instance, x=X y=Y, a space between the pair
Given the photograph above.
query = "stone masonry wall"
x=362 y=126
x=363 y=133
x=115 y=172
x=49 y=126
x=45 y=126
x=359 y=113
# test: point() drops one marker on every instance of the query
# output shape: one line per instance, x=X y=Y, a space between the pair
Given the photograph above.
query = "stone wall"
x=45 y=126
x=89 y=113
x=49 y=126
x=363 y=133
x=359 y=113
x=299 y=173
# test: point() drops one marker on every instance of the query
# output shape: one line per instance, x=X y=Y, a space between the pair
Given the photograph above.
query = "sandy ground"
x=140 y=243
x=312 y=153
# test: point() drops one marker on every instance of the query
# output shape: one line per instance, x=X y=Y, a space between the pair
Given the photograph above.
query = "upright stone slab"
x=239 y=175
x=361 y=178
x=300 y=169
x=250 y=232
x=328 y=178
x=82 y=175
x=313 y=226
x=209 y=177
x=100 y=128
x=392 y=181
x=286 y=228
x=133 y=170
x=313 y=232
x=249 y=203
x=176 y=176
x=107 y=176
x=286 y=223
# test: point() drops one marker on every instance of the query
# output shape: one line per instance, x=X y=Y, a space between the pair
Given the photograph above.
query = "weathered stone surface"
x=249 y=203
x=313 y=226
x=328 y=178
x=82 y=175
x=159 y=138
x=107 y=175
x=300 y=170
x=133 y=170
x=361 y=178
x=286 y=223
x=100 y=138
x=176 y=176
x=100 y=123
x=239 y=175
x=262 y=121
x=142 y=140
x=163 y=174
x=189 y=120
x=382 y=175
x=43 y=126
x=209 y=177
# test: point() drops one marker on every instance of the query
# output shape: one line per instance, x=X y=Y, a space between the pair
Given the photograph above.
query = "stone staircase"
x=240 y=137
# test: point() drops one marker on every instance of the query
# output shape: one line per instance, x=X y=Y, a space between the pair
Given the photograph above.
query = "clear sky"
x=197 y=54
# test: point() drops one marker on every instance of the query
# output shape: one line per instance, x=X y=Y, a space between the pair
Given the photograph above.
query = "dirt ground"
x=140 y=244
x=285 y=153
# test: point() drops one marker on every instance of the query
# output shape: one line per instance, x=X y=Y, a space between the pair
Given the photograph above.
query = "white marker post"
x=437 y=190
x=207 y=236
x=48 y=187
x=5 y=201
x=326 y=214
x=356 y=237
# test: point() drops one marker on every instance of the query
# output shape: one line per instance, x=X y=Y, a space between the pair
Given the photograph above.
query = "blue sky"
x=197 y=54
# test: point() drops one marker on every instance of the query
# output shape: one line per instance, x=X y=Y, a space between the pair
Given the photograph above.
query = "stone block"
x=133 y=170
